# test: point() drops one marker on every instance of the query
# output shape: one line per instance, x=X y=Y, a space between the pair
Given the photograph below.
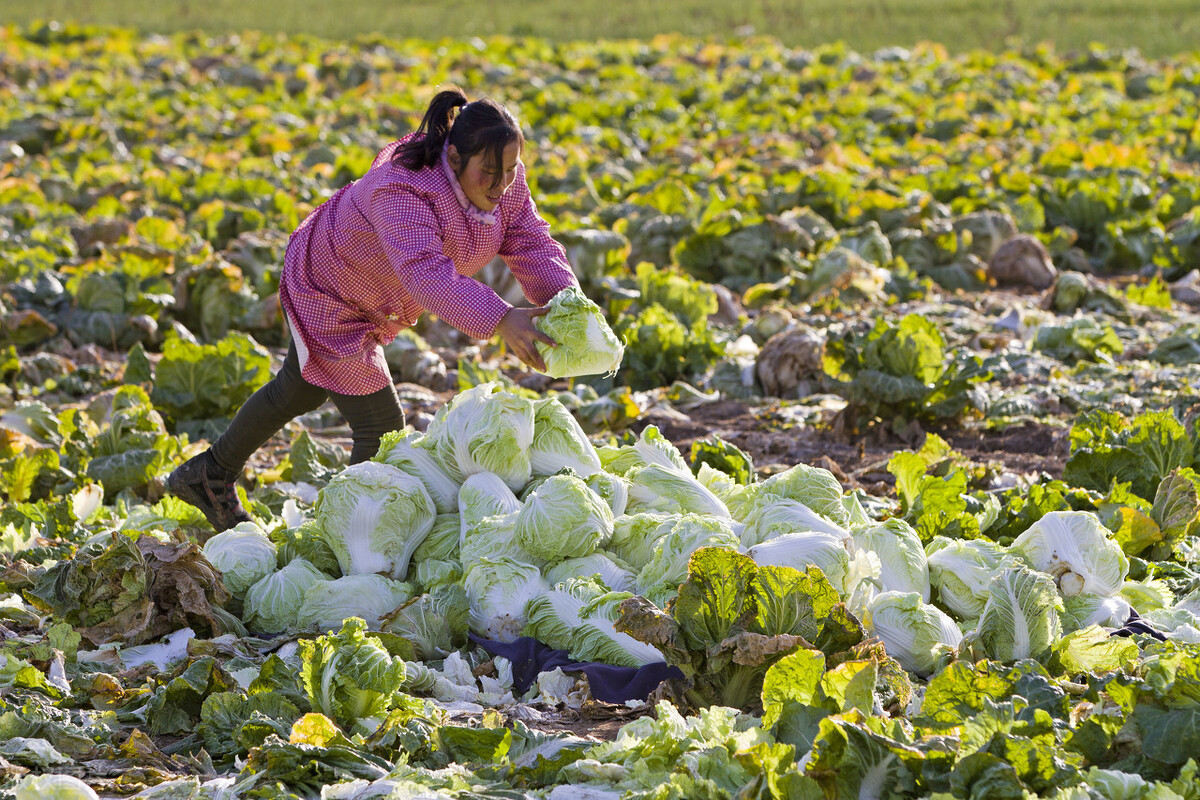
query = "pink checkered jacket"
x=397 y=242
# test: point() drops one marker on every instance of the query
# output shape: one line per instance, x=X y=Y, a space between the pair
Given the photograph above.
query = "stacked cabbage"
x=503 y=519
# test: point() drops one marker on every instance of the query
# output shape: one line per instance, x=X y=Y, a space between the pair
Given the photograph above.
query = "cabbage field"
x=894 y=491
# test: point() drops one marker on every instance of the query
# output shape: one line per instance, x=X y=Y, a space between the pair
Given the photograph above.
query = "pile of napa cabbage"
x=503 y=520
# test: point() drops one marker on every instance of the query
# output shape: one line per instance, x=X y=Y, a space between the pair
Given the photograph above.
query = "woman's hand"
x=517 y=330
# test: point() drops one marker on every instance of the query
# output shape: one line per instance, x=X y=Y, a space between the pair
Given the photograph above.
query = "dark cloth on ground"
x=608 y=683
x=1135 y=624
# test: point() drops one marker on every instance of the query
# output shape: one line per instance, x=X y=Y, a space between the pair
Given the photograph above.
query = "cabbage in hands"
x=1076 y=550
x=914 y=633
x=563 y=518
x=586 y=343
x=373 y=516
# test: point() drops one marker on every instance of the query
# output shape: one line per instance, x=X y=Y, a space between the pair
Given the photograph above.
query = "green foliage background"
x=1156 y=27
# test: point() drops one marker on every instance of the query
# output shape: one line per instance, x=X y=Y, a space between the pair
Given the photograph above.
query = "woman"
x=434 y=208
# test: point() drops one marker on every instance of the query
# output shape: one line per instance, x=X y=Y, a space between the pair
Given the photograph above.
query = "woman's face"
x=477 y=177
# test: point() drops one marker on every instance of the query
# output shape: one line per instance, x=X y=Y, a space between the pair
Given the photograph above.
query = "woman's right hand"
x=517 y=330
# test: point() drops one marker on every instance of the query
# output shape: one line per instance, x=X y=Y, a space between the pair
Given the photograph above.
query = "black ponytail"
x=424 y=149
x=479 y=126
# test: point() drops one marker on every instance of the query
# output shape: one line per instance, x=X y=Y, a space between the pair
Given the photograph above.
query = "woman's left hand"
x=517 y=330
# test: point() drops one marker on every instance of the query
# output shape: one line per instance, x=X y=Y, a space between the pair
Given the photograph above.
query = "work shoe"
x=200 y=482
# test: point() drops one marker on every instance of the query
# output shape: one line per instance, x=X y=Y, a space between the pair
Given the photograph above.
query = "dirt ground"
x=859 y=462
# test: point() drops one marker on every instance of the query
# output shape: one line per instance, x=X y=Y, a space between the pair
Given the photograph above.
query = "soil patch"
x=858 y=462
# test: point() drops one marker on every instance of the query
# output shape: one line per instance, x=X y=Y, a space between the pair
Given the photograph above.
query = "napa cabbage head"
x=327 y=604
x=431 y=573
x=1148 y=595
x=586 y=343
x=776 y=516
x=579 y=617
x=1076 y=551
x=484 y=495
x=607 y=569
x=719 y=483
x=349 y=676
x=497 y=592
x=815 y=487
x=402 y=450
x=373 y=516
x=902 y=561
x=802 y=550
x=613 y=488
x=434 y=623
x=659 y=580
x=306 y=541
x=559 y=441
x=553 y=616
x=1084 y=610
x=244 y=555
x=52 y=787
x=651 y=447
x=484 y=429
x=634 y=536
x=1021 y=616
x=442 y=542
x=1179 y=624
x=657 y=488
x=1113 y=784
x=597 y=639
x=913 y=632
x=563 y=518
x=493 y=537
x=272 y=605
x=960 y=570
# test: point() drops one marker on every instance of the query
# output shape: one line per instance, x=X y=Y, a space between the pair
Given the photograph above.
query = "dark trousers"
x=287 y=396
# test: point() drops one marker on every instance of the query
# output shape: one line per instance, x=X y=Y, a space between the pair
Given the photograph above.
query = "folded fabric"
x=608 y=683
x=1135 y=624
